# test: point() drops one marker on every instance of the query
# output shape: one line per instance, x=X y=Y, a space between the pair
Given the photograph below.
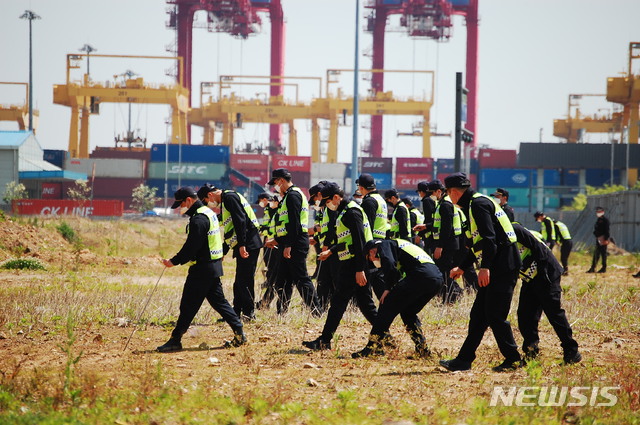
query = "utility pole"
x=30 y=16
x=462 y=134
x=356 y=101
x=89 y=49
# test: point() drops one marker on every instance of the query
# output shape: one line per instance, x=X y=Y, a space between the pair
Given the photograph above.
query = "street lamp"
x=30 y=16
x=88 y=48
x=356 y=102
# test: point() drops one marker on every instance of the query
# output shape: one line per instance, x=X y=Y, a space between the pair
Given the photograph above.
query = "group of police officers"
x=406 y=258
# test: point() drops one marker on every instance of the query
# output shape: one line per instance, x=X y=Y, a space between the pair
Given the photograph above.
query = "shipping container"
x=413 y=196
x=383 y=181
x=497 y=158
x=54 y=208
x=423 y=166
x=55 y=157
x=447 y=165
x=291 y=163
x=173 y=185
x=51 y=191
x=301 y=179
x=598 y=177
x=570 y=177
x=191 y=153
x=112 y=168
x=122 y=153
x=187 y=171
x=260 y=177
x=410 y=181
x=113 y=187
x=519 y=197
x=243 y=162
x=376 y=165
x=330 y=172
x=519 y=177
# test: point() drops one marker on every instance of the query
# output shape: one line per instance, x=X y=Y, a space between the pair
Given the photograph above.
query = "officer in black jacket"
x=494 y=247
x=204 y=247
x=271 y=255
x=601 y=232
x=541 y=291
x=428 y=208
x=502 y=195
x=241 y=235
x=411 y=280
x=400 y=220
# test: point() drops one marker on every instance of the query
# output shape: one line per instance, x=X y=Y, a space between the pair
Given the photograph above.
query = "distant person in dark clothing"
x=428 y=201
x=271 y=257
x=416 y=218
x=502 y=196
x=547 y=228
x=601 y=232
x=400 y=219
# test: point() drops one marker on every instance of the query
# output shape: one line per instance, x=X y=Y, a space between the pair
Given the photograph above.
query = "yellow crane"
x=19 y=113
x=84 y=98
x=572 y=128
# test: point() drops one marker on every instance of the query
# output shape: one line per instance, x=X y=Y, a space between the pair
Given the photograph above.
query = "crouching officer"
x=412 y=280
x=352 y=232
x=204 y=247
x=540 y=274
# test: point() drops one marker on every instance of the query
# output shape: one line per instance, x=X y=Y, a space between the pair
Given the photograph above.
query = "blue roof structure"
x=13 y=139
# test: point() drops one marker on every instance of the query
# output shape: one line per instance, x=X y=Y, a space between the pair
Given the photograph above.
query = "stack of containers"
x=298 y=166
x=53 y=190
x=381 y=169
x=410 y=172
x=254 y=166
x=446 y=166
x=521 y=184
x=187 y=165
x=110 y=179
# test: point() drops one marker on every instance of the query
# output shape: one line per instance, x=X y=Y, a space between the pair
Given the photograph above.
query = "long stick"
x=144 y=308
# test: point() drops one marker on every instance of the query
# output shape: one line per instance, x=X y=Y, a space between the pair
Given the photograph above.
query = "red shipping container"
x=104 y=187
x=414 y=166
x=497 y=158
x=473 y=178
x=410 y=181
x=291 y=163
x=301 y=179
x=121 y=153
x=43 y=207
x=376 y=165
x=244 y=162
x=51 y=190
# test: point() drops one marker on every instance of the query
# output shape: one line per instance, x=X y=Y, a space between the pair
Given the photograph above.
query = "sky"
x=532 y=55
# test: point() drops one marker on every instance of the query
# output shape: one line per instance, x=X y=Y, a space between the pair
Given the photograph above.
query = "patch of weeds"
x=67 y=232
x=23 y=264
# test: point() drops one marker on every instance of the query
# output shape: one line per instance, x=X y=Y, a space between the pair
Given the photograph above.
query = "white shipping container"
x=107 y=167
x=331 y=172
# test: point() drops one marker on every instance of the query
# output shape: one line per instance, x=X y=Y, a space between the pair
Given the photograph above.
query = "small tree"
x=14 y=190
x=80 y=191
x=144 y=198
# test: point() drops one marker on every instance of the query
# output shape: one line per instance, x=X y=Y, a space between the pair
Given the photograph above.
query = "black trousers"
x=375 y=277
x=600 y=251
x=450 y=289
x=200 y=285
x=490 y=310
x=271 y=260
x=346 y=289
x=244 y=284
x=565 y=251
x=293 y=271
x=537 y=296
x=327 y=278
x=407 y=298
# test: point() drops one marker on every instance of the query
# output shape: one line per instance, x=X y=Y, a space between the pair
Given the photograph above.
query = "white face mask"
x=315 y=207
x=277 y=188
x=332 y=206
x=183 y=210
x=273 y=204
x=317 y=203
x=263 y=204
x=434 y=197
x=600 y=214
x=213 y=204
x=358 y=201
x=377 y=263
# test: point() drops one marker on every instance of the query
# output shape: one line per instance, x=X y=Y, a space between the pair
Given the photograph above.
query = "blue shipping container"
x=460 y=2
x=570 y=177
x=383 y=180
x=191 y=153
x=516 y=177
x=598 y=177
x=55 y=157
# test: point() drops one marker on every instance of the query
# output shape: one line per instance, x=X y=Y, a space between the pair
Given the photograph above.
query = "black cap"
x=391 y=192
x=329 y=191
x=502 y=192
x=458 y=180
x=435 y=185
x=357 y=194
x=407 y=201
x=373 y=243
x=264 y=195
x=205 y=189
x=182 y=194
x=367 y=181
x=315 y=189
x=279 y=173
x=423 y=186
x=599 y=209
x=538 y=214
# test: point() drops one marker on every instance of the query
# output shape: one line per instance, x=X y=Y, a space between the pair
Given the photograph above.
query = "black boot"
x=508 y=365
x=371 y=349
x=455 y=365
x=170 y=346
x=238 y=339
x=317 y=344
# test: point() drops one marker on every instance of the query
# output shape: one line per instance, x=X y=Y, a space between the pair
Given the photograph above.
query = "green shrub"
x=23 y=264
x=67 y=232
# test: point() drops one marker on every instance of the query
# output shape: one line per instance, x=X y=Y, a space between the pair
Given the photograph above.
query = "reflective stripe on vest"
x=230 y=235
x=543 y=230
x=345 y=240
x=437 y=220
x=381 y=223
x=503 y=220
x=414 y=251
x=395 y=224
x=324 y=227
x=213 y=235
x=418 y=214
x=562 y=231
x=283 y=214
x=266 y=219
x=529 y=268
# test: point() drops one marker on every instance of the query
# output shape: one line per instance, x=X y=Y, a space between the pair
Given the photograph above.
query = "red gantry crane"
x=426 y=19
x=240 y=19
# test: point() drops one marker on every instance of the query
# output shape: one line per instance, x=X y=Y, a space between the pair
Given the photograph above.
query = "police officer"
x=353 y=231
x=415 y=217
x=540 y=273
x=292 y=239
x=547 y=228
x=411 y=280
x=242 y=237
x=601 y=232
x=400 y=226
x=502 y=195
x=271 y=257
x=447 y=237
x=357 y=197
x=428 y=208
x=203 y=247
x=563 y=237
x=494 y=247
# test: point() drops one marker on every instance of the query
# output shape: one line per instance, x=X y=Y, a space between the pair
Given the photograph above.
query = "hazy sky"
x=533 y=54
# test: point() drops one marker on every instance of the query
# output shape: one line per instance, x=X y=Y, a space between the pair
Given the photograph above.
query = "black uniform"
x=550 y=232
x=328 y=269
x=370 y=207
x=293 y=271
x=203 y=279
x=601 y=232
x=492 y=303
x=428 y=208
x=271 y=259
x=450 y=244
x=401 y=214
x=248 y=236
x=542 y=293
x=407 y=297
x=508 y=210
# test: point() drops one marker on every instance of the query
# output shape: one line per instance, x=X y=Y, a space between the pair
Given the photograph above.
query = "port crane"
x=19 y=113
x=576 y=124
